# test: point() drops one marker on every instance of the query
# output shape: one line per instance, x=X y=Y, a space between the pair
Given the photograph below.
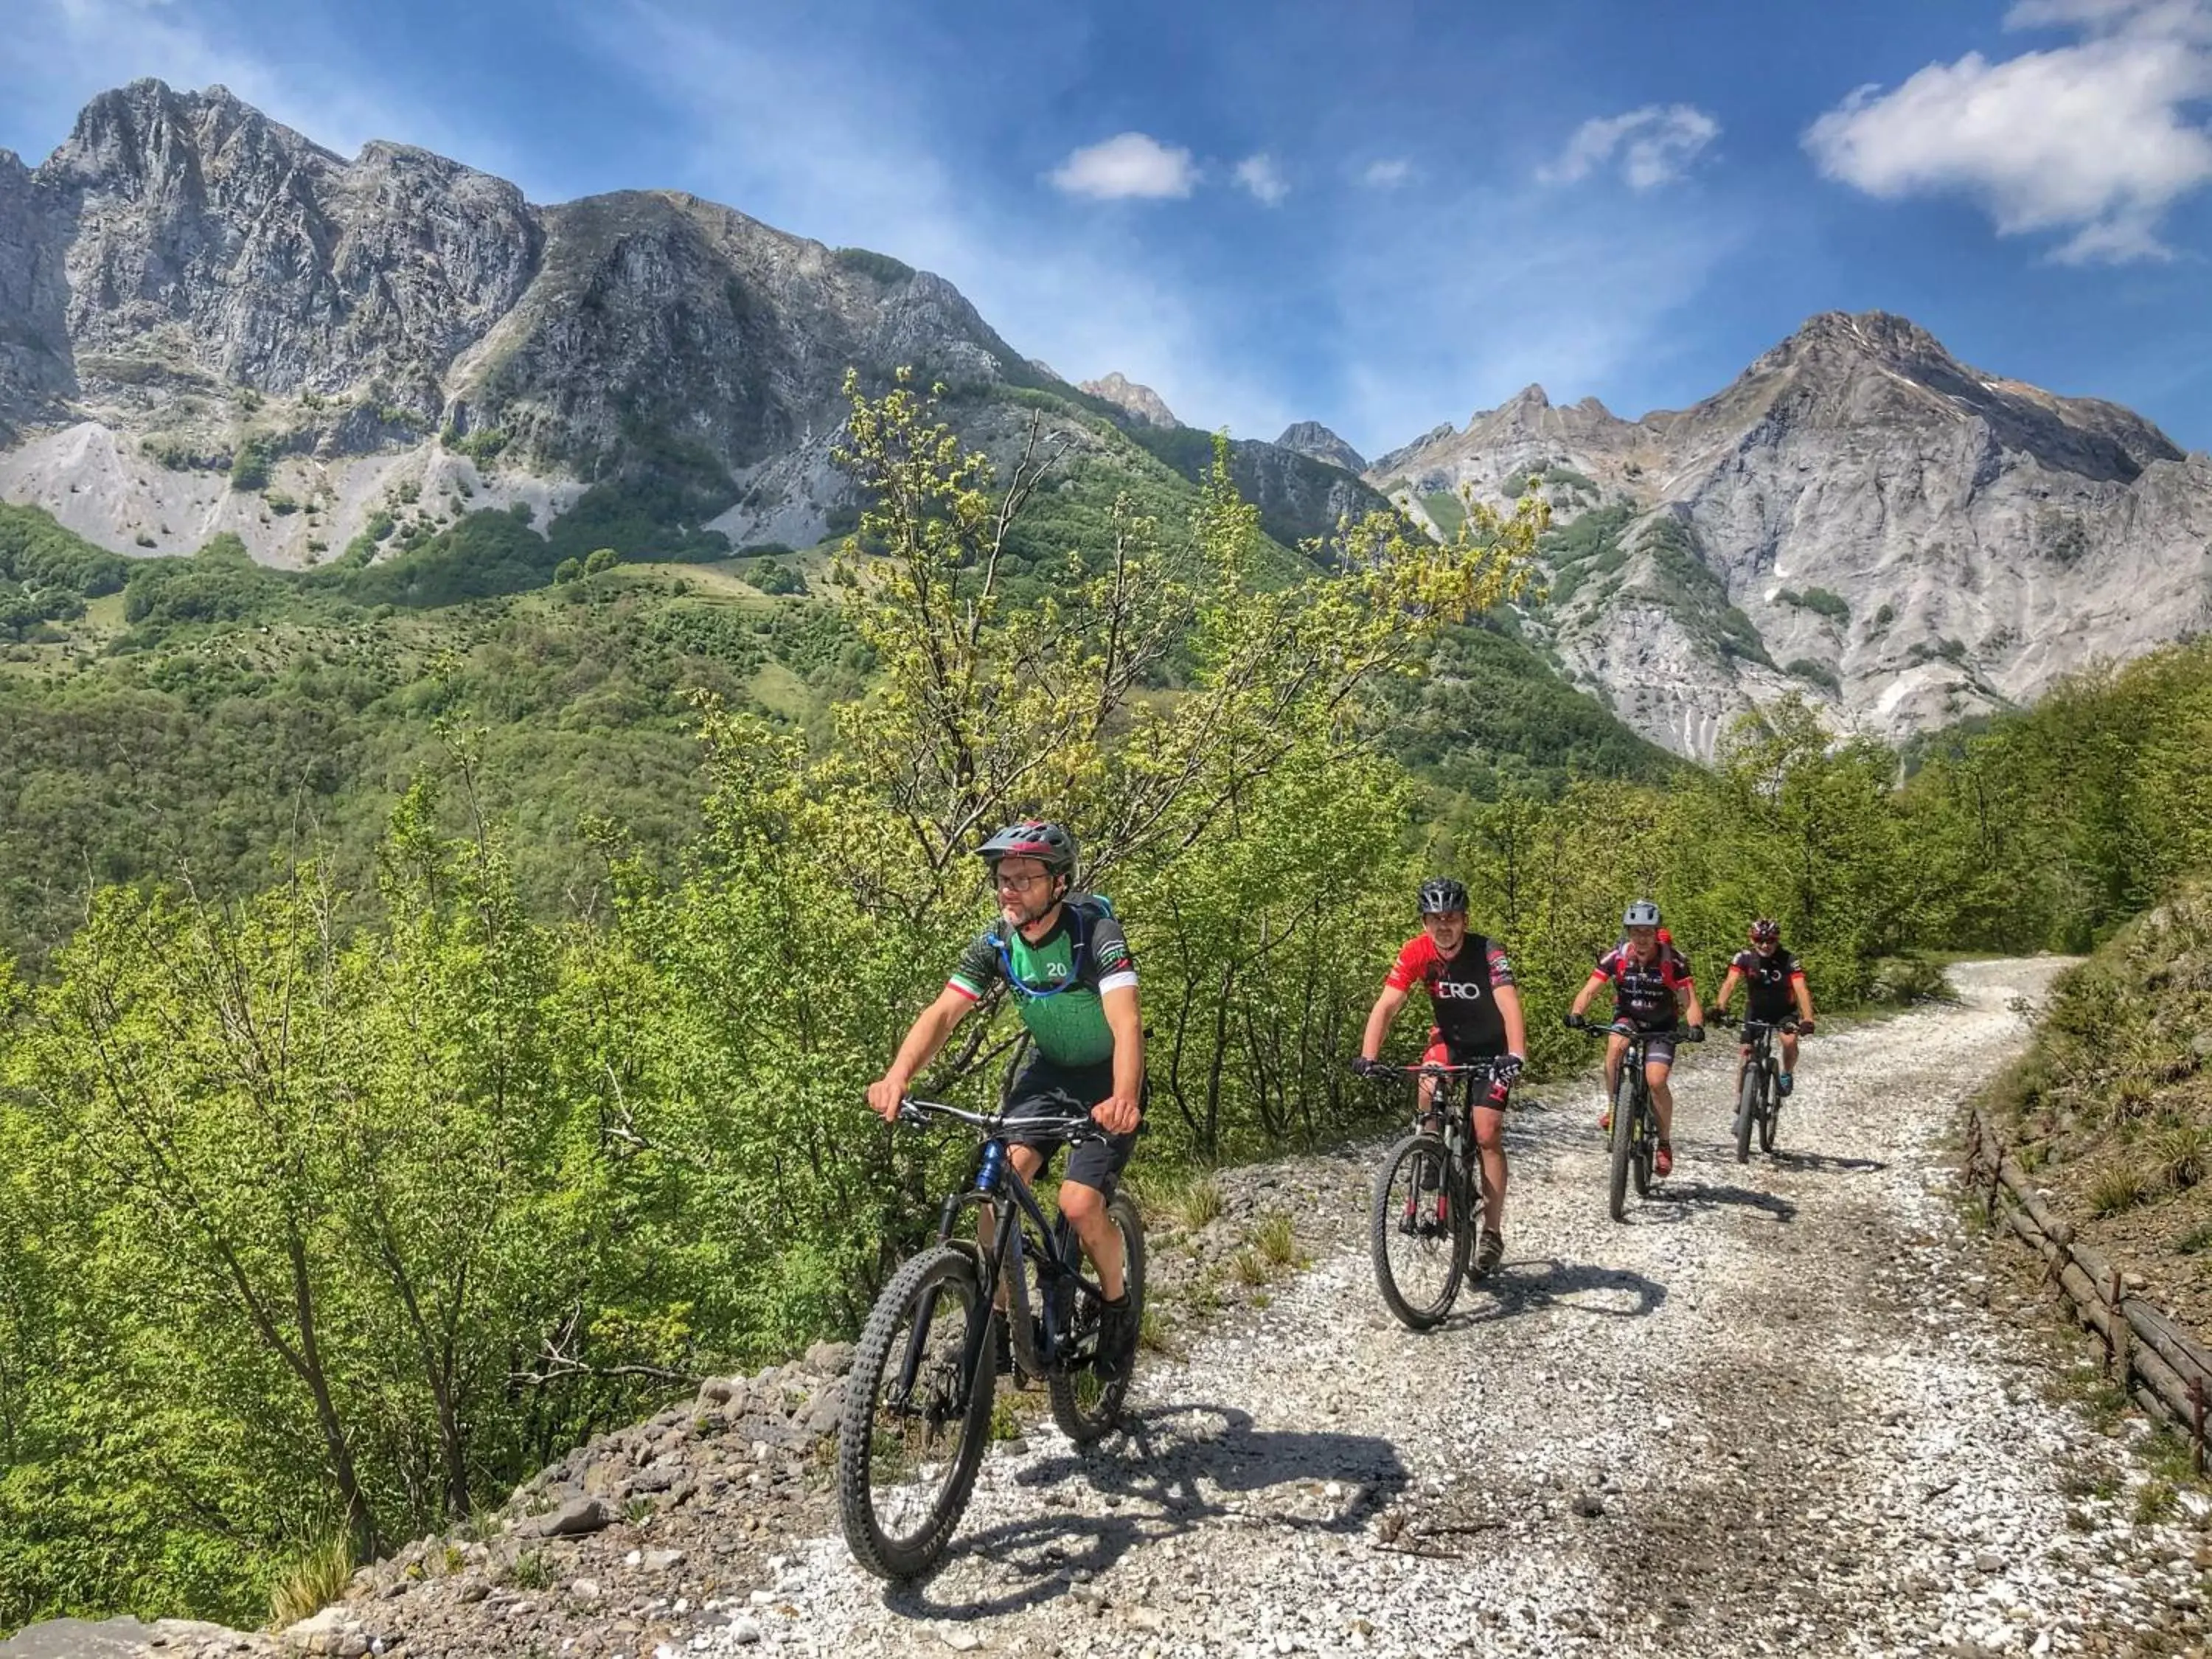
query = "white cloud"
x=1387 y=175
x=1656 y=144
x=1260 y=175
x=2096 y=138
x=866 y=170
x=1128 y=164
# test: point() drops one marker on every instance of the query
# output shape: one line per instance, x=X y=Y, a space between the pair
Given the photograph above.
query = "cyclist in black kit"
x=1652 y=990
x=1777 y=991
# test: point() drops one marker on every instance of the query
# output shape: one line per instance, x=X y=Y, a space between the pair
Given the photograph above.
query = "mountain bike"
x=1428 y=1197
x=1759 y=1097
x=917 y=1408
x=1635 y=1120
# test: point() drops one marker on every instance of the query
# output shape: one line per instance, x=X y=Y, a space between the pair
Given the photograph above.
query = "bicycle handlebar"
x=1423 y=1068
x=916 y=1113
x=1788 y=1023
x=1621 y=1028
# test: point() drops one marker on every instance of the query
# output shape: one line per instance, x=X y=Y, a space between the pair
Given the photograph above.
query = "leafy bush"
x=881 y=266
x=770 y=577
x=249 y=466
x=1817 y=674
x=1820 y=601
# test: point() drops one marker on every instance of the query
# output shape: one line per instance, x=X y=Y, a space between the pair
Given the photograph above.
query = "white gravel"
x=1772 y=1413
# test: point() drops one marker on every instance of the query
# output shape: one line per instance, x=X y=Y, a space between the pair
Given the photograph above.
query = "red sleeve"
x=1795 y=975
x=1411 y=967
x=1609 y=965
x=1501 y=967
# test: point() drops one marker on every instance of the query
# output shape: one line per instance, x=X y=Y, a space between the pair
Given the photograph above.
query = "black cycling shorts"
x=1043 y=1090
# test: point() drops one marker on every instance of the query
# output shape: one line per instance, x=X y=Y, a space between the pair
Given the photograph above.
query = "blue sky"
x=1381 y=216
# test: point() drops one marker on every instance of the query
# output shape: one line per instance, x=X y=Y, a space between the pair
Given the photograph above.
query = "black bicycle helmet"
x=1441 y=893
x=1642 y=913
x=1766 y=931
x=1032 y=838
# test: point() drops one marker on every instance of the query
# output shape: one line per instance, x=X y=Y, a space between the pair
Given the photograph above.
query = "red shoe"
x=1666 y=1162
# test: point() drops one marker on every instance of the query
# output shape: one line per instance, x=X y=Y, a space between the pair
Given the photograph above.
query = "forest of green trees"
x=351 y=1170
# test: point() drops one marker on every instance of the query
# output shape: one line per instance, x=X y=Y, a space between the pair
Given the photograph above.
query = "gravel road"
x=1771 y=1411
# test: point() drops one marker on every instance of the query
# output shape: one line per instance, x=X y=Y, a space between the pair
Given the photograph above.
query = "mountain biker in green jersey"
x=1777 y=990
x=1062 y=956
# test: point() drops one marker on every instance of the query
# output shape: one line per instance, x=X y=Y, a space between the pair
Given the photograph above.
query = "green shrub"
x=881 y=266
x=249 y=467
x=1816 y=673
x=567 y=571
x=600 y=558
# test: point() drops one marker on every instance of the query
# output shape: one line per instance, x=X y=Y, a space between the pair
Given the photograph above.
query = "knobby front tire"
x=1746 y=1113
x=1624 y=1141
x=1420 y=1257
x=1086 y=1408
x=1769 y=1120
x=907 y=1456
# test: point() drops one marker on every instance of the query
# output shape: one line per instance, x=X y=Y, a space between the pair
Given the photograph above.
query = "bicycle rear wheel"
x=917 y=1411
x=1420 y=1235
x=1086 y=1406
x=1624 y=1139
x=1747 y=1113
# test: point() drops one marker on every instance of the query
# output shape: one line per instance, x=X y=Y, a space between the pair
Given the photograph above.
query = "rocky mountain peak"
x=1875 y=368
x=1137 y=402
x=1312 y=438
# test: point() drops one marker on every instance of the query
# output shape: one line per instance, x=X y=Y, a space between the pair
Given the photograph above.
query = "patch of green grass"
x=2183 y=1152
x=1275 y=1239
x=2118 y=1188
x=1199 y=1203
x=319 y=1579
x=1248 y=1267
x=533 y=1571
x=1447 y=509
x=2156 y=1501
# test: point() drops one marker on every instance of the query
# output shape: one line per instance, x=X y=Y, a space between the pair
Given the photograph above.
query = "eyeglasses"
x=1018 y=884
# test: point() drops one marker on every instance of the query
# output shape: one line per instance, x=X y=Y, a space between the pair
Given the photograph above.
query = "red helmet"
x=1766 y=931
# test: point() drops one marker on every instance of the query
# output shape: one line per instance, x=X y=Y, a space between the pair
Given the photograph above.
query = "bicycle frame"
x=998 y=1184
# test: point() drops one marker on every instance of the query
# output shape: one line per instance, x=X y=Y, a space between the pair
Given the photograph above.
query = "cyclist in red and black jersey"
x=1777 y=990
x=1478 y=1017
x=1652 y=990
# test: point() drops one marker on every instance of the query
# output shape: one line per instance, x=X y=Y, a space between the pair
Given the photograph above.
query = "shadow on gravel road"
x=1177 y=1467
x=1678 y=1200
x=1521 y=1285
x=1816 y=1161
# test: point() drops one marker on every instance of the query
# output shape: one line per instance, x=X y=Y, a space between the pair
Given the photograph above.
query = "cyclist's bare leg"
x=1085 y=1208
x=1790 y=1051
x=1662 y=1096
x=1489 y=1136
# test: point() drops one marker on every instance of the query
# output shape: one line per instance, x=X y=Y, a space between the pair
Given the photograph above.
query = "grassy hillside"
x=2113 y=1107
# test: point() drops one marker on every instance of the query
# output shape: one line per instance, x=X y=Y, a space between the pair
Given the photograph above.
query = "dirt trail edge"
x=1771 y=1412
